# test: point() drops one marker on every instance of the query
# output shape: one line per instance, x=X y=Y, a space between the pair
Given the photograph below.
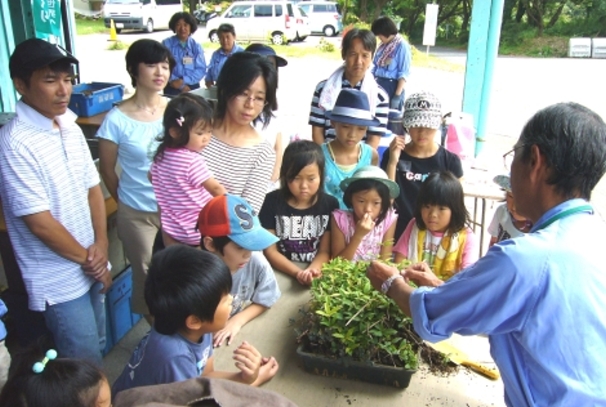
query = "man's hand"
x=186 y=88
x=421 y=275
x=378 y=272
x=226 y=334
x=96 y=260
x=248 y=361
x=107 y=281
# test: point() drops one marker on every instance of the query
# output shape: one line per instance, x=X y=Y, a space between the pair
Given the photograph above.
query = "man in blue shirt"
x=227 y=39
x=539 y=297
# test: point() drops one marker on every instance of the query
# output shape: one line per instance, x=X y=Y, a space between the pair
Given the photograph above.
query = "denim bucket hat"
x=352 y=107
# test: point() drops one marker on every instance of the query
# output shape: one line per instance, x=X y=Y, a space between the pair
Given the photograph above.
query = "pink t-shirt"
x=177 y=180
x=370 y=247
x=470 y=250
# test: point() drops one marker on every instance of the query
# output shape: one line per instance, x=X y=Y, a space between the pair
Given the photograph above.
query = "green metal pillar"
x=482 y=52
x=22 y=20
x=8 y=98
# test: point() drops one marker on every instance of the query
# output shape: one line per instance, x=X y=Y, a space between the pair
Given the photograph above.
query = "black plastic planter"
x=377 y=374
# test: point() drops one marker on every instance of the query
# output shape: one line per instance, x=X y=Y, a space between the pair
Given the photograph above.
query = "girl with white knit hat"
x=409 y=164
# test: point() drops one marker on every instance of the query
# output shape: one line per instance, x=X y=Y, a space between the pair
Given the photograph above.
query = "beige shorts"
x=137 y=231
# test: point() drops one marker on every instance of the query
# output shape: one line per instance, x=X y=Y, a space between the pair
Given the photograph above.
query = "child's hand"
x=248 y=361
x=364 y=225
x=306 y=276
x=226 y=334
x=395 y=149
x=269 y=368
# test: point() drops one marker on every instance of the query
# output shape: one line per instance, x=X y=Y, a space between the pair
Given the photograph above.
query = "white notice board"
x=431 y=25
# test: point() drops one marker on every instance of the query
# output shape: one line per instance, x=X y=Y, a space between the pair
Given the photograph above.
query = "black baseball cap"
x=34 y=53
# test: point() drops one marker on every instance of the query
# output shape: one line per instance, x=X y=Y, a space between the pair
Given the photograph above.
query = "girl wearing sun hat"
x=365 y=231
x=345 y=154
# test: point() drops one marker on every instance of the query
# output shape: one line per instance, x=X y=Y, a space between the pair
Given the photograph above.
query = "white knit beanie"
x=422 y=109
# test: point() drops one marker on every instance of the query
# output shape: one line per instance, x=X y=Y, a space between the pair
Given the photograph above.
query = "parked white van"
x=145 y=15
x=259 y=21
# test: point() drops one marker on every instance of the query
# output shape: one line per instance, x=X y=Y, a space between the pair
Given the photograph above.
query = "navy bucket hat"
x=352 y=107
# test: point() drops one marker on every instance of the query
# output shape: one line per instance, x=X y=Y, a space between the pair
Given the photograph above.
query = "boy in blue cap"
x=232 y=231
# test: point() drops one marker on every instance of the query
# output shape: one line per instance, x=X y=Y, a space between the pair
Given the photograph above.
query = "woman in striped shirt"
x=239 y=157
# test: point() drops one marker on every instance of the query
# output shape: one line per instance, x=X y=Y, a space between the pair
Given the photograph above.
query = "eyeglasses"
x=508 y=157
x=257 y=101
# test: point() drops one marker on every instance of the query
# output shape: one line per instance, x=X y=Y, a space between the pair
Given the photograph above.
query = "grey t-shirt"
x=160 y=359
x=254 y=283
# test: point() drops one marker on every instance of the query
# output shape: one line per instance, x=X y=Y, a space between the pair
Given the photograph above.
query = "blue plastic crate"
x=119 y=313
x=89 y=99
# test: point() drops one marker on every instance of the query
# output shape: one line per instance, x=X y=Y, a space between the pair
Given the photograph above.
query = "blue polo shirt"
x=191 y=52
x=217 y=60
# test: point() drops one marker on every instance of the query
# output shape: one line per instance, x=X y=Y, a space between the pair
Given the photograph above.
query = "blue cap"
x=232 y=216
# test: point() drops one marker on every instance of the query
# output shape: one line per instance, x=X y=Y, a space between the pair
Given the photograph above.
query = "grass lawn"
x=419 y=58
x=287 y=51
x=86 y=26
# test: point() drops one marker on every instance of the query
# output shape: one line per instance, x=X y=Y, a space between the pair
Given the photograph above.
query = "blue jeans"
x=390 y=86
x=78 y=326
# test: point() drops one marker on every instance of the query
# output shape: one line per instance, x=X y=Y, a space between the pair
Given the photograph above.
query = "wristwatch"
x=387 y=283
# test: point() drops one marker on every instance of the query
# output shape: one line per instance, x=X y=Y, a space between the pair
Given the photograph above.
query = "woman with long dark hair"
x=238 y=156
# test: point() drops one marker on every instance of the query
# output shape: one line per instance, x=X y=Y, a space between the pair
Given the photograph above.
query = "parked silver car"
x=324 y=16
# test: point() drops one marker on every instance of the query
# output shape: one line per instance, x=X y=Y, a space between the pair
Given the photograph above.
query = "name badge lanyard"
x=565 y=214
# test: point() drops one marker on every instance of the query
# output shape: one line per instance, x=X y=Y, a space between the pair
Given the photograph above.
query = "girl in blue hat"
x=345 y=154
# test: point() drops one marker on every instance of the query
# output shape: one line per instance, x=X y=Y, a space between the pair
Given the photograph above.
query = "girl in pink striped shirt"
x=182 y=182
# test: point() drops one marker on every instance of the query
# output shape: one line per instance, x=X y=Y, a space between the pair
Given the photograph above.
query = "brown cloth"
x=201 y=392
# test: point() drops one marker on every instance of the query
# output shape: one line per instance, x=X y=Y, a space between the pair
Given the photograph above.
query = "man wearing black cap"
x=53 y=203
